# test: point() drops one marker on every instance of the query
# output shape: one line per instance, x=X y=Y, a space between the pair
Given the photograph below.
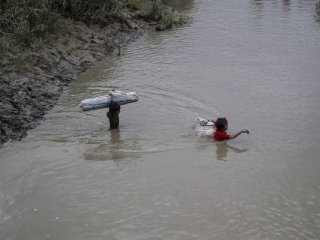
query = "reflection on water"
x=223 y=148
x=285 y=3
x=114 y=149
x=261 y=7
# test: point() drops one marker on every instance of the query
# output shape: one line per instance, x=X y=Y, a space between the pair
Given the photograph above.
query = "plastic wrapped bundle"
x=104 y=101
x=204 y=127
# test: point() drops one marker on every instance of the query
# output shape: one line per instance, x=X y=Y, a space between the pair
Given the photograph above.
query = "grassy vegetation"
x=31 y=22
x=157 y=11
x=28 y=23
x=90 y=12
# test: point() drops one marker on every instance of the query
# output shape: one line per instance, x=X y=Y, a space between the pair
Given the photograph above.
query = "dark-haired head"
x=221 y=123
x=114 y=106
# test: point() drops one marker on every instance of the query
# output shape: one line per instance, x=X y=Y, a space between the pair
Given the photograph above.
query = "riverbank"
x=32 y=82
x=28 y=93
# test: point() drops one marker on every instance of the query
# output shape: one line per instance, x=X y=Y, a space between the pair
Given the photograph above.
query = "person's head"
x=221 y=124
x=114 y=107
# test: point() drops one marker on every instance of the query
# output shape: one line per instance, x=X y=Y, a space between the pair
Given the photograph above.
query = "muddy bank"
x=27 y=94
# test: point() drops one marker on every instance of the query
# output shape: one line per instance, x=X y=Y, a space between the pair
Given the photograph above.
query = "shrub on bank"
x=156 y=10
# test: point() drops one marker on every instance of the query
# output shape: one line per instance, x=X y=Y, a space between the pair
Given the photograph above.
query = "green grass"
x=90 y=12
x=157 y=11
x=29 y=23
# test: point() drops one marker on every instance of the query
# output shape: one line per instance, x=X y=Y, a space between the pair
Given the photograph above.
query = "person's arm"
x=237 y=134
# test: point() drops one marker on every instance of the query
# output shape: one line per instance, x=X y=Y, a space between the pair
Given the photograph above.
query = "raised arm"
x=237 y=134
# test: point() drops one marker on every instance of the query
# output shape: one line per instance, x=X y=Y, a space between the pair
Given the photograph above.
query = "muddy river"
x=254 y=62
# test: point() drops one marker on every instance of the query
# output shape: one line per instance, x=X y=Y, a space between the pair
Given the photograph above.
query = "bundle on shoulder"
x=119 y=97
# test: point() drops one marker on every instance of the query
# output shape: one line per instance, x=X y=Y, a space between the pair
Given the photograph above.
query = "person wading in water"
x=222 y=126
x=113 y=115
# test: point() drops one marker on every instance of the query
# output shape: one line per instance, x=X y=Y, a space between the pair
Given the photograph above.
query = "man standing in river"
x=113 y=115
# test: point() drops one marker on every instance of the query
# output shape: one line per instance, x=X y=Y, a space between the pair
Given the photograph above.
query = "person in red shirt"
x=221 y=127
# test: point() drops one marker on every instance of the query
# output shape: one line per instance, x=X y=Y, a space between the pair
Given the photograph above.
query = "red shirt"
x=220 y=135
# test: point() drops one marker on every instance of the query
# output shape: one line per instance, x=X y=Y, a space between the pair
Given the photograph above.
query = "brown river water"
x=255 y=62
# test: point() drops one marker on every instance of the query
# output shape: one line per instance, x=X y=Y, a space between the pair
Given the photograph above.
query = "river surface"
x=256 y=63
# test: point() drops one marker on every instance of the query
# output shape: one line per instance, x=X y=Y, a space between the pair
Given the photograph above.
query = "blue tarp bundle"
x=104 y=101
